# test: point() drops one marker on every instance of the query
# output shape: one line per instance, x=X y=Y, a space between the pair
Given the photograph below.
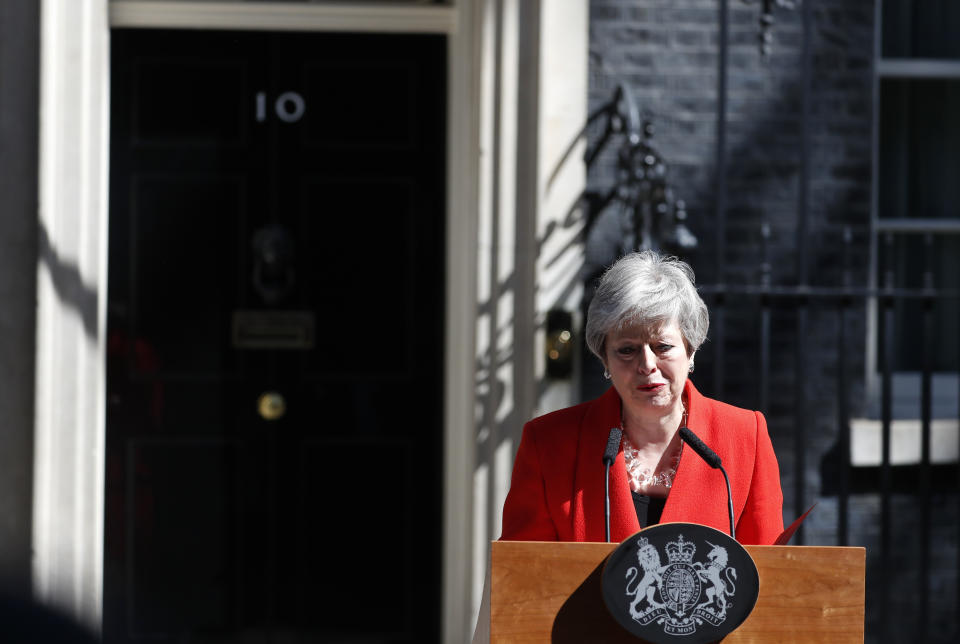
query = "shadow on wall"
x=68 y=283
x=24 y=621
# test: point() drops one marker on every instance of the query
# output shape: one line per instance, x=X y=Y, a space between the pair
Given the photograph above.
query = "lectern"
x=551 y=592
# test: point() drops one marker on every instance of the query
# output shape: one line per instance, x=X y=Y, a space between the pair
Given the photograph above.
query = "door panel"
x=372 y=115
x=275 y=323
x=366 y=564
x=186 y=236
x=331 y=205
x=184 y=498
x=194 y=94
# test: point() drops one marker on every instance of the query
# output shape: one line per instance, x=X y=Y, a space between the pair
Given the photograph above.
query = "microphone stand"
x=713 y=460
x=729 y=501
x=606 y=490
x=609 y=456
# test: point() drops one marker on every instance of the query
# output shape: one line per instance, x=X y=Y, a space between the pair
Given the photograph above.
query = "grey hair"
x=648 y=289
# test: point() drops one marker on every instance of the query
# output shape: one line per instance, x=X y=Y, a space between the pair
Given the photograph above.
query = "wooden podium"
x=551 y=592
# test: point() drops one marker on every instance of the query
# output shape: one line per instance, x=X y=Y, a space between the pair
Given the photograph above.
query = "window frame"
x=885 y=68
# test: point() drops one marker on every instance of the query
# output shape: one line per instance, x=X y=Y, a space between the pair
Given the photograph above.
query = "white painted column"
x=461 y=319
x=532 y=87
x=560 y=180
x=71 y=304
x=501 y=353
x=487 y=17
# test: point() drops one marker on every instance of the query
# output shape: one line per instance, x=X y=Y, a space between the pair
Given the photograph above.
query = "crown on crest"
x=681 y=551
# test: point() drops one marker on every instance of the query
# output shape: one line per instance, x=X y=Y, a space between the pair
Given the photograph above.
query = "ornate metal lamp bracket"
x=653 y=216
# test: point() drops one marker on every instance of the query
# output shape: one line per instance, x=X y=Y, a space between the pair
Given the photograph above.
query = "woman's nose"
x=647 y=362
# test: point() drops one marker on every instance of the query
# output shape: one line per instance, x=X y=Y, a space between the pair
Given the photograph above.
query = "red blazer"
x=556 y=493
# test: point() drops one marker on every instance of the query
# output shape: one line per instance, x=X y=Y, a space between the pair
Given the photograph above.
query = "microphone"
x=609 y=456
x=713 y=460
x=707 y=454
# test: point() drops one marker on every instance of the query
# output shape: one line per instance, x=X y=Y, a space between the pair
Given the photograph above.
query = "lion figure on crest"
x=647 y=584
x=718 y=588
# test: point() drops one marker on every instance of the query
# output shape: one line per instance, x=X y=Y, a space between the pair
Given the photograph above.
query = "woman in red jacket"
x=645 y=324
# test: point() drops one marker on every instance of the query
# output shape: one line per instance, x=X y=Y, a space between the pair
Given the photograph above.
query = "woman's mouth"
x=651 y=387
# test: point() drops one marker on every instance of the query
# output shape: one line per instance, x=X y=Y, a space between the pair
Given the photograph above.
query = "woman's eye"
x=663 y=348
x=625 y=351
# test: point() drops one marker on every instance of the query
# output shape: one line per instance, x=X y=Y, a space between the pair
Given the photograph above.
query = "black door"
x=275 y=337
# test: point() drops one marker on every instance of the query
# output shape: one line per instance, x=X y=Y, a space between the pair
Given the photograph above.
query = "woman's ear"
x=691 y=361
x=606 y=371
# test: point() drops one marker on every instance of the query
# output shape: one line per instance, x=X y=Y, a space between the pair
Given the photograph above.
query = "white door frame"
x=71 y=282
x=72 y=273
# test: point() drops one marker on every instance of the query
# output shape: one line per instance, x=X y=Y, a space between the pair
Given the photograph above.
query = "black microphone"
x=713 y=460
x=609 y=456
x=707 y=454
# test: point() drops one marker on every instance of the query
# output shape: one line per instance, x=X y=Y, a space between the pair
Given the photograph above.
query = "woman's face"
x=648 y=367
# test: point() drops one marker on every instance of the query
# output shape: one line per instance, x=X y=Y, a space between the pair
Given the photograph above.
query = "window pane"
x=919 y=148
x=909 y=258
x=921 y=28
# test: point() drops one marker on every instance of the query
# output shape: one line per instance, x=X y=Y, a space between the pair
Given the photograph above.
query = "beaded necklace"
x=641 y=477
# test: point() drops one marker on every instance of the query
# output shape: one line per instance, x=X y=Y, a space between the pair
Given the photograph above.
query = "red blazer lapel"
x=588 y=506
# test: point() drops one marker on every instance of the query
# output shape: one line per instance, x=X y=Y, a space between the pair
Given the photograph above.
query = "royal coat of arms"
x=673 y=591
